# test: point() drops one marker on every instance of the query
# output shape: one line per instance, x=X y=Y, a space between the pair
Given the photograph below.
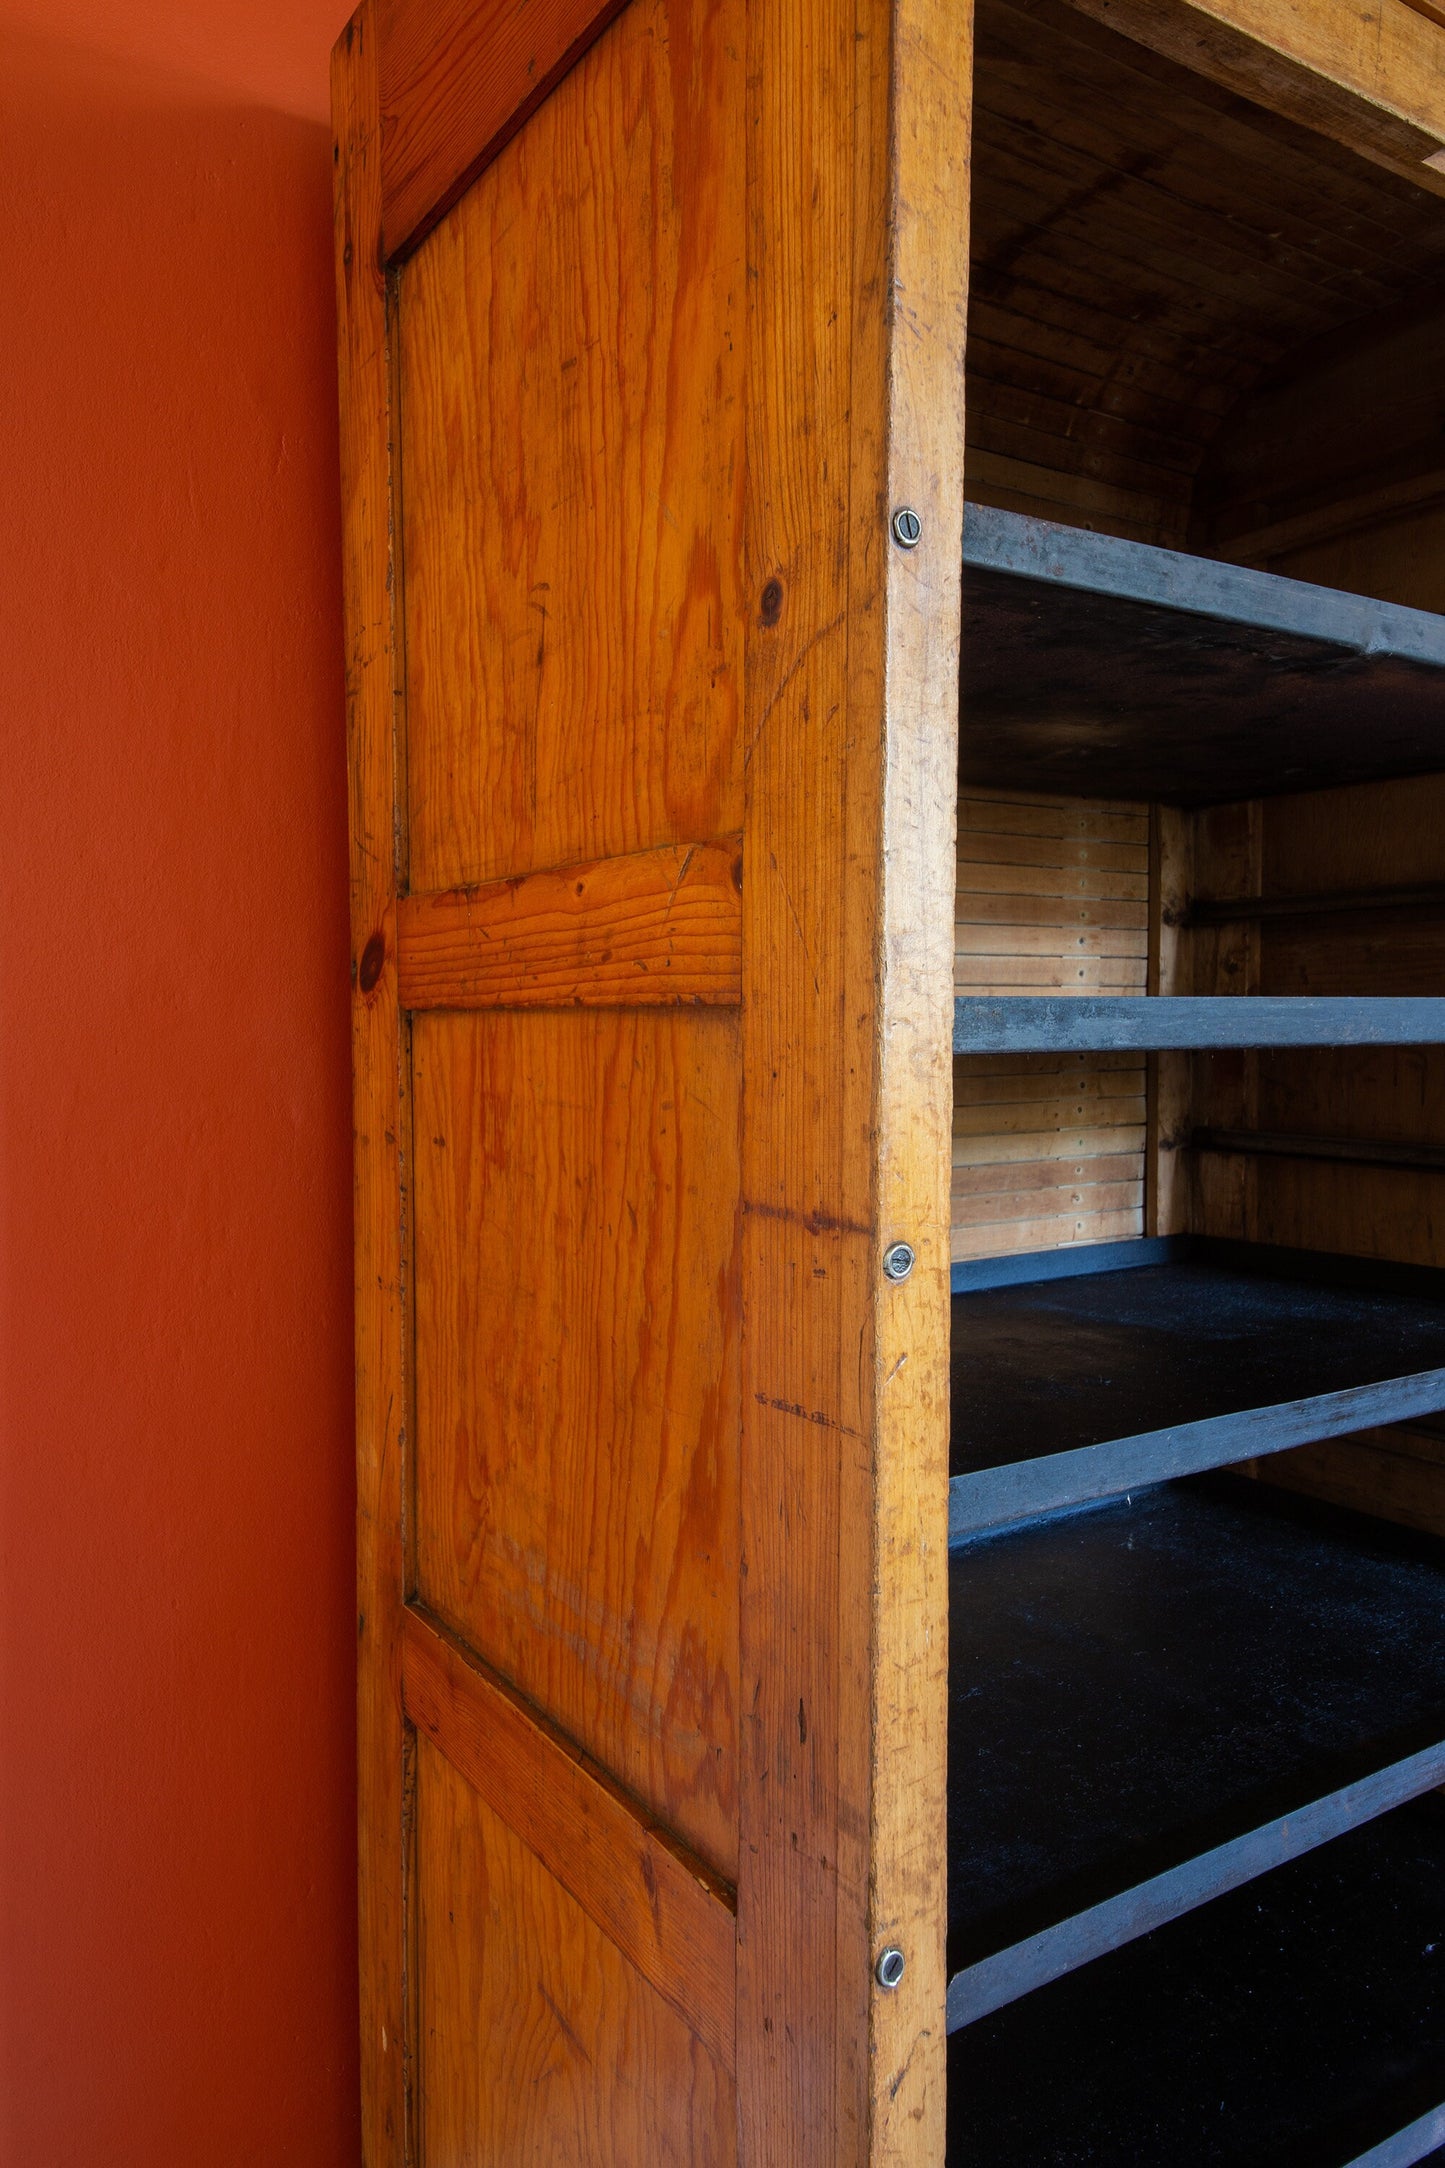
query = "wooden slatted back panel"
x=1321 y=479
x=1052 y=897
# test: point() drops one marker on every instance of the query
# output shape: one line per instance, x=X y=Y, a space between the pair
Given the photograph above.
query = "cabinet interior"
x=1198 y=1413
x=1197 y=326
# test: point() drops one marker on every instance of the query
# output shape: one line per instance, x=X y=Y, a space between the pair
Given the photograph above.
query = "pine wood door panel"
x=460 y=77
x=669 y=1450
x=577 y=1378
x=570 y=363
x=536 y=2039
x=665 y=1913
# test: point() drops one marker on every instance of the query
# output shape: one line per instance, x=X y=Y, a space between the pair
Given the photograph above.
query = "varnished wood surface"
x=924 y=249
x=575 y=1487
x=377 y=1071
x=655 y=927
x=672 y=1919
x=850 y=706
x=810 y=1235
x=570 y=358
x=568 y=365
x=537 y=2041
x=458 y=79
x=1391 y=833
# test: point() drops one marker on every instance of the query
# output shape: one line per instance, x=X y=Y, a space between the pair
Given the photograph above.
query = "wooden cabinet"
x=699 y=1381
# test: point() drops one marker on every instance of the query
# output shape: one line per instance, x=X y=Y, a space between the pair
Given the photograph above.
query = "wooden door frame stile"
x=857 y=200
x=926 y=195
x=378 y=1072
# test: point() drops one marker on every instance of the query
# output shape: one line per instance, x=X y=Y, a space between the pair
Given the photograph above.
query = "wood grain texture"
x=671 y=1918
x=378 y=1074
x=577 y=1378
x=1369 y=73
x=926 y=265
x=854 y=395
x=537 y=2040
x=810 y=1240
x=1398 y=1473
x=1052 y=896
x=1316 y=453
x=458 y=79
x=654 y=927
x=1169 y=1167
x=1356 y=838
x=570 y=363
x=1149 y=248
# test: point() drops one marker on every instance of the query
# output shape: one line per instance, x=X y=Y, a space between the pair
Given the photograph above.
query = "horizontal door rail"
x=636 y=931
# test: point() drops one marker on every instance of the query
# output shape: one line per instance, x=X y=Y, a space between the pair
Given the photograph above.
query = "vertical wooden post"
x=377 y=1073
x=927 y=214
x=857 y=201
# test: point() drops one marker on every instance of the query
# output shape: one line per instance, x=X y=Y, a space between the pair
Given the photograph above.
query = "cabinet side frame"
x=857 y=208
x=928 y=204
x=377 y=1089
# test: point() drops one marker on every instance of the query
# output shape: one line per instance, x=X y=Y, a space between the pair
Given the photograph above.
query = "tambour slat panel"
x=1053 y=897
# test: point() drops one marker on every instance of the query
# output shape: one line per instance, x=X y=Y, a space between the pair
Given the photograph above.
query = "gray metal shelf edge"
x=1149 y=1023
x=1303 y=1400
x=994 y=1981
x=1073 y=558
x=988 y=1500
x=1098 y=668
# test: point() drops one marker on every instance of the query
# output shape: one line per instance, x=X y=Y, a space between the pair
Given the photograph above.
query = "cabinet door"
x=651 y=959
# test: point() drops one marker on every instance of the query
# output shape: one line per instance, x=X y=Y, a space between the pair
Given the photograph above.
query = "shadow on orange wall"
x=177 y=1912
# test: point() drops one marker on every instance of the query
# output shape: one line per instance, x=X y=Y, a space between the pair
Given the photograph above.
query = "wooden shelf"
x=1073 y=1384
x=1112 y=1024
x=1102 y=668
x=1154 y=1702
x=1296 y=2023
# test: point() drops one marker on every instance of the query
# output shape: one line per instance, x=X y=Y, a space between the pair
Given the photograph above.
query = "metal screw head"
x=889 y=1969
x=898 y=1260
x=907 y=527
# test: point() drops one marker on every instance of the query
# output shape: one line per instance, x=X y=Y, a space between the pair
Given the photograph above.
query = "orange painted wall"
x=177 y=1917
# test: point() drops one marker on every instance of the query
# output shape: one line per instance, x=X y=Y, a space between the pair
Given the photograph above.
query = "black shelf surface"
x=1103 y=668
x=1296 y=2023
x=1154 y=1702
x=1090 y=1023
x=1066 y=1389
